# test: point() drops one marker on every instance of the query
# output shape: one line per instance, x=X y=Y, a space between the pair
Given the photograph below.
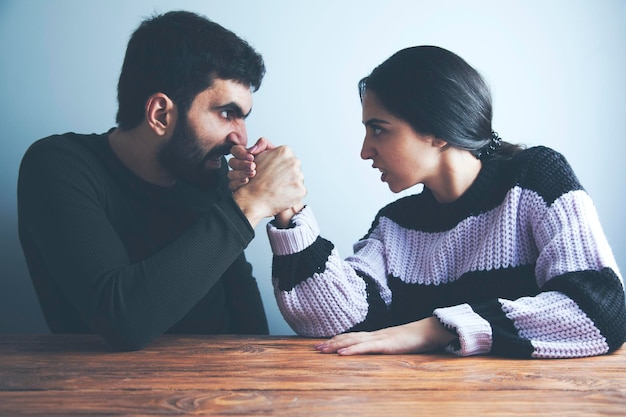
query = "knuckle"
x=285 y=150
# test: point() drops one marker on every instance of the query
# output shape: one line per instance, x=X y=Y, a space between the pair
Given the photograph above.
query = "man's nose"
x=239 y=135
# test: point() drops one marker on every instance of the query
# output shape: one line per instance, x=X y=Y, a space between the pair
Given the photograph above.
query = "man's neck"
x=138 y=150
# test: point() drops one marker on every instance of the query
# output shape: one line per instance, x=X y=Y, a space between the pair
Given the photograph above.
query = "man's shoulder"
x=64 y=155
x=66 y=142
x=63 y=148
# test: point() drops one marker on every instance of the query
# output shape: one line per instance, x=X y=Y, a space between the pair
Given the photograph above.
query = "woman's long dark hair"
x=439 y=94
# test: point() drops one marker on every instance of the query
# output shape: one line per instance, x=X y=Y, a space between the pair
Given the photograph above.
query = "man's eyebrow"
x=234 y=107
x=373 y=121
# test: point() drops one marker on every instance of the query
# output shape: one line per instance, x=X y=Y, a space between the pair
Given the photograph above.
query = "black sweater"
x=112 y=254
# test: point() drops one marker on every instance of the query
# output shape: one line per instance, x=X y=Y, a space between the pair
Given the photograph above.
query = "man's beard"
x=184 y=158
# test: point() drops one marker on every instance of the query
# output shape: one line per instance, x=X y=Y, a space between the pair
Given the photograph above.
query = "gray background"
x=557 y=71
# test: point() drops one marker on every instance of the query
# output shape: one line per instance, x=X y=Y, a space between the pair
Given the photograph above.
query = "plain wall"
x=557 y=70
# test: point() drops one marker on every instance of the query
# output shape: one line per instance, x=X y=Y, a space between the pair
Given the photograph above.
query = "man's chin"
x=213 y=163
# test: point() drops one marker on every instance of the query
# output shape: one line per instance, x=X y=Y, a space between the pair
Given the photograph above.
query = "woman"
x=501 y=253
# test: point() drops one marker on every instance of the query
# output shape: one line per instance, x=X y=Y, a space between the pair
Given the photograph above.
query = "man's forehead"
x=229 y=91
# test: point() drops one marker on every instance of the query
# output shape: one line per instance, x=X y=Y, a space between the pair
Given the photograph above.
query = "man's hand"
x=417 y=337
x=272 y=177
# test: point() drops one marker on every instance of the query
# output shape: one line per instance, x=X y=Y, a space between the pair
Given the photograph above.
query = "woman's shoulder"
x=540 y=160
x=539 y=154
x=545 y=171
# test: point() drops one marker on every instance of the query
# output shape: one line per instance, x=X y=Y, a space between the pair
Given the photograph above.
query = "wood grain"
x=69 y=375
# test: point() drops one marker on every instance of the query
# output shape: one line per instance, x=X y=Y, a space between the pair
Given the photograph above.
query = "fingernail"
x=320 y=346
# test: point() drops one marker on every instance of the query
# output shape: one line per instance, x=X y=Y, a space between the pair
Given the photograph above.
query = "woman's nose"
x=366 y=150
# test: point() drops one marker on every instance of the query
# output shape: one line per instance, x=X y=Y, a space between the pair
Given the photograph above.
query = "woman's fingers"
x=261 y=145
x=343 y=341
x=419 y=336
x=239 y=152
x=241 y=166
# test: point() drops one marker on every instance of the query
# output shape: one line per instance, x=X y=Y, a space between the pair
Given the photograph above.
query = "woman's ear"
x=160 y=113
x=438 y=143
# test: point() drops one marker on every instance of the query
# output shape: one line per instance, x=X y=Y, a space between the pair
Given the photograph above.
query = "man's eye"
x=226 y=114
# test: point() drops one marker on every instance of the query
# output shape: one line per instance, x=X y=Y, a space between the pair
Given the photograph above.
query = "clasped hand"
x=266 y=180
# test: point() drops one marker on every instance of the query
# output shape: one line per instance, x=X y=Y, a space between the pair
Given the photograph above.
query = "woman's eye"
x=375 y=130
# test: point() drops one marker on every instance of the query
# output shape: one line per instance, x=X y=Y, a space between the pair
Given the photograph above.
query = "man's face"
x=214 y=123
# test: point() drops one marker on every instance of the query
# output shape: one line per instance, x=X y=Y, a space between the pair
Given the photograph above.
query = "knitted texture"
x=517 y=266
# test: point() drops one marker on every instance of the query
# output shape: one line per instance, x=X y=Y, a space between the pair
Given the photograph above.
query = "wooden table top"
x=68 y=375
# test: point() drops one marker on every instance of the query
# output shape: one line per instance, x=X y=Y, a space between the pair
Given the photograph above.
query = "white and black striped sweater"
x=517 y=266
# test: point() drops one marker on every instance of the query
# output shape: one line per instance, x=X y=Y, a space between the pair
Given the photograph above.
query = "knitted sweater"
x=517 y=266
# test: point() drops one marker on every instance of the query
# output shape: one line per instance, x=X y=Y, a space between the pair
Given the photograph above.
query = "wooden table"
x=67 y=375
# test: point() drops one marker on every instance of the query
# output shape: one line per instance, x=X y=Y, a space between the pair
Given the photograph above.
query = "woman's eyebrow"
x=374 y=121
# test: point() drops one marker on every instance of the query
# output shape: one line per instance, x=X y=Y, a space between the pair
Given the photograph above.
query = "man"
x=134 y=232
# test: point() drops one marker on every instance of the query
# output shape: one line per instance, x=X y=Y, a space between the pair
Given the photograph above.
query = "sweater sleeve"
x=62 y=203
x=319 y=293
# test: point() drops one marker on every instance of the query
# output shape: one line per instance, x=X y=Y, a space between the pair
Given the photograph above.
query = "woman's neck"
x=459 y=169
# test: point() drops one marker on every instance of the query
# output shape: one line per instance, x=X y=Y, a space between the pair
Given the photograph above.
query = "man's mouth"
x=215 y=156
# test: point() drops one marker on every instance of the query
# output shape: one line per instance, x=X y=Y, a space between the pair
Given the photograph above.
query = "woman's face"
x=404 y=157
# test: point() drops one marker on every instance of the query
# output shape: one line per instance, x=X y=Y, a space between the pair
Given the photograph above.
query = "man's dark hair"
x=180 y=54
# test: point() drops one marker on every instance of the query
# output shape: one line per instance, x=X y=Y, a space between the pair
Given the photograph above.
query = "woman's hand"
x=242 y=163
x=417 y=337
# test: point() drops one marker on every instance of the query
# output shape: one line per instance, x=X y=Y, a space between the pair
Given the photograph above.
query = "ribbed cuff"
x=297 y=238
x=474 y=331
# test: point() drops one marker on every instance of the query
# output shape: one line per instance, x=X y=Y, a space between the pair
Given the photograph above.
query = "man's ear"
x=160 y=113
